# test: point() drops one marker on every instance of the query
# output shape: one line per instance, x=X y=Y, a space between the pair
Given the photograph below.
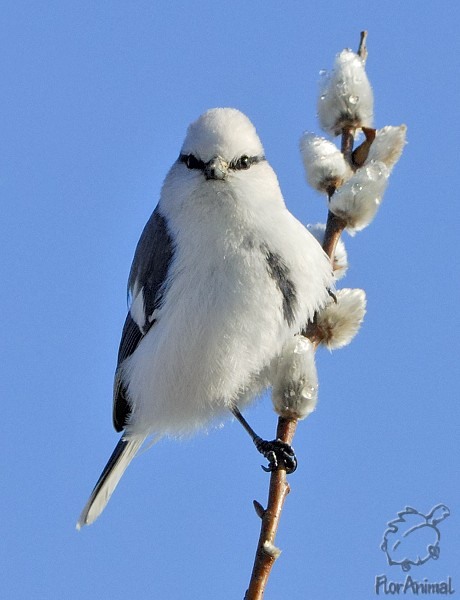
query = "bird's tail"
x=117 y=464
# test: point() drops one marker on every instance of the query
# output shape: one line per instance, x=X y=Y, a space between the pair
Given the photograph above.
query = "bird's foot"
x=278 y=454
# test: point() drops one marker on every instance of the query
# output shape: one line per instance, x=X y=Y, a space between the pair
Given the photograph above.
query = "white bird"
x=223 y=276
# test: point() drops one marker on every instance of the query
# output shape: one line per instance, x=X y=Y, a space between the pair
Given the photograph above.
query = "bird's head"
x=222 y=140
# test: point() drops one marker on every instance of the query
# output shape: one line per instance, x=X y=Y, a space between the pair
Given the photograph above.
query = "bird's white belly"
x=222 y=319
x=221 y=325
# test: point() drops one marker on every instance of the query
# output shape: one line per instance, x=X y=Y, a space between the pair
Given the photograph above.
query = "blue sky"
x=95 y=102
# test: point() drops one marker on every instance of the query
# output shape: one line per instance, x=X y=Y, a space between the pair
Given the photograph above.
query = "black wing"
x=148 y=276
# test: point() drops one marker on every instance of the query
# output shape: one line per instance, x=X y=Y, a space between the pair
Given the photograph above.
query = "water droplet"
x=353 y=99
x=302 y=344
x=323 y=97
x=322 y=73
x=308 y=392
x=374 y=173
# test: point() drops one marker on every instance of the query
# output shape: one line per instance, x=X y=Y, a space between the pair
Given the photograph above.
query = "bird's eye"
x=192 y=162
x=243 y=163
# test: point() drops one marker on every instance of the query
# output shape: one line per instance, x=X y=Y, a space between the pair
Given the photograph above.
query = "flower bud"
x=339 y=322
x=358 y=200
x=388 y=145
x=346 y=99
x=325 y=166
x=295 y=387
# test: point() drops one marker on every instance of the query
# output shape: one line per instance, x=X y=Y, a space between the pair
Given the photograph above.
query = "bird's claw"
x=278 y=454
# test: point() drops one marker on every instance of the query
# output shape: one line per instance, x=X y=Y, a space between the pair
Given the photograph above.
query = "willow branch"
x=362 y=49
x=267 y=552
x=348 y=137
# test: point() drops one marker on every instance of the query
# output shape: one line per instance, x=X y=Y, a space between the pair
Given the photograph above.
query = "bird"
x=222 y=278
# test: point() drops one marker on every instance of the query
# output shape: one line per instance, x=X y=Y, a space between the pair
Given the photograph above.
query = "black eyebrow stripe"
x=201 y=165
x=253 y=160
x=184 y=158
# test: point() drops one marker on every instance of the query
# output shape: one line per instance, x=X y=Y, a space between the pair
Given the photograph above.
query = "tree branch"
x=267 y=552
x=348 y=137
x=362 y=49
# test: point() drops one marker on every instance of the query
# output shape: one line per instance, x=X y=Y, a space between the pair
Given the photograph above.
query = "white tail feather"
x=123 y=454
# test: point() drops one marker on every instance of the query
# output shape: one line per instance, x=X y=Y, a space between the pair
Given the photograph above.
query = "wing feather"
x=148 y=276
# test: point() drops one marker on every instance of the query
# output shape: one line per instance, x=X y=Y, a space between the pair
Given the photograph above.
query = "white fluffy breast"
x=222 y=320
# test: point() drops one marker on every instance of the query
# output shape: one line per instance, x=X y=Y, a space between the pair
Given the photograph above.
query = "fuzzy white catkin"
x=339 y=322
x=358 y=200
x=345 y=98
x=325 y=166
x=340 y=263
x=388 y=145
x=295 y=389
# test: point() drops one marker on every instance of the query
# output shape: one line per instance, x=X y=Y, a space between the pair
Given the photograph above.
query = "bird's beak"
x=216 y=168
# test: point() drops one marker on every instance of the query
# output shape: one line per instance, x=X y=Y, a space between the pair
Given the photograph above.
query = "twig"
x=267 y=552
x=348 y=137
x=360 y=154
x=362 y=49
x=334 y=227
